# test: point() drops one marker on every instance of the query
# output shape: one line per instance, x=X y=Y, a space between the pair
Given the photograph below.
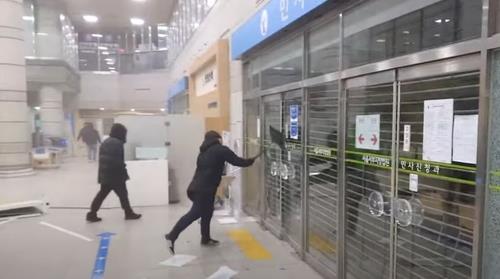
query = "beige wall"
x=216 y=58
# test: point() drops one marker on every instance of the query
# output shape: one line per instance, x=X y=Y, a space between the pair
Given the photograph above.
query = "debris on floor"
x=224 y=272
x=178 y=260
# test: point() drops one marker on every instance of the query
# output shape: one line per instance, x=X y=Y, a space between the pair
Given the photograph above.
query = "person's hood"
x=118 y=131
x=211 y=138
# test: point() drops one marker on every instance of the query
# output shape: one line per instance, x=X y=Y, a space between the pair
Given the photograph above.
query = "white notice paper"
x=413 y=182
x=368 y=132
x=224 y=272
x=438 y=130
x=465 y=138
x=258 y=128
x=178 y=260
x=407 y=138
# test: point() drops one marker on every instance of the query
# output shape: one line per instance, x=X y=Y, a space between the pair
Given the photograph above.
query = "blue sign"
x=294 y=122
x=273 y=17
x=102 y=255
x=180 y=86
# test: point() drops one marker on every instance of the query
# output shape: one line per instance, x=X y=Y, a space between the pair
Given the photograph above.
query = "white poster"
x=465 y=138
x=413 y=182
x=407 y=138
x=368 y=132
x=438 y=130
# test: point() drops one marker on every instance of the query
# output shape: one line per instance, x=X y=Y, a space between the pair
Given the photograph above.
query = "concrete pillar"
x=15 y=136
x=51 y=112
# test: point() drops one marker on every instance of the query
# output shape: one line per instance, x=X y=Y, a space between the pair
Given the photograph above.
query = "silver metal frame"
x=477 y=52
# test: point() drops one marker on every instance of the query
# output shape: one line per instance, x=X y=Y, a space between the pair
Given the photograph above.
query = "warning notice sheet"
x=368 y=132
x=438 y=130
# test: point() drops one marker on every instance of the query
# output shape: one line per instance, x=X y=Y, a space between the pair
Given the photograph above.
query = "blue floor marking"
x=102 y=254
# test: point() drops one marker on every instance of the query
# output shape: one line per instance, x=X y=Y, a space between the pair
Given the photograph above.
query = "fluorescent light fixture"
x=62 y=17
x=162 y=35
x=90 y=18
x=105 y=53
x=139 y=1
x=381 y=41
x=163 y=48
x=447 y=20
x=111 y=68
x=37 y=108
x=101 y=108
x=102 y=48
x=438 y=20
x=437 y=35
x=137 y=21
x=97 y=35
x=110 y=63
x=42 y=34
x=406 y=32
x=29 y=18
x=162 y=109
x=132 y=110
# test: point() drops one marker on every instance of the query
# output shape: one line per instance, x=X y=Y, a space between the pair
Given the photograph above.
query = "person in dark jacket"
x=113 y=174
x=91 y=138
x=209 y=170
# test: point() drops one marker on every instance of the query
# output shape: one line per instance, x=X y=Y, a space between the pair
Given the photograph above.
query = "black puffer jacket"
x=112 y=168
x=210 y=164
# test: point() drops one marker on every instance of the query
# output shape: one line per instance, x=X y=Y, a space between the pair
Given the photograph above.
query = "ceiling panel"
x=114 y=15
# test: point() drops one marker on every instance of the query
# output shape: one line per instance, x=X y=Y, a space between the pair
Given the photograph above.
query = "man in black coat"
x=91 y=138
x=113 y=174
x=209 y=170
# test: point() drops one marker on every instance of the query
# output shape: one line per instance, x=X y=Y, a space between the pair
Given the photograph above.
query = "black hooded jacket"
x=112 y=168
x=210 y=164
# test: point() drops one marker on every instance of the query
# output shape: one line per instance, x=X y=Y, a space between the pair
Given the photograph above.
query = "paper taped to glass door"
x=368 y=132
x=438 y=130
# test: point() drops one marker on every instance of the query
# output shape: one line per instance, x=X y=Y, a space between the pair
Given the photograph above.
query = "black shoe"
x=92 y=218
x=132 y=216
x=170 y=244
x=210 y=242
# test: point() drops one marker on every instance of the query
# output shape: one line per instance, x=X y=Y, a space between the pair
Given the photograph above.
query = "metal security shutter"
x=367 y=238
x=442 y=245
x=322 y=188
x=272 y=181
x=293 y=166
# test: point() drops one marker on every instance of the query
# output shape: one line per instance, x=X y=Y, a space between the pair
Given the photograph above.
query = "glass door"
x=370 y=107
x=284 y=165
x=436 y=194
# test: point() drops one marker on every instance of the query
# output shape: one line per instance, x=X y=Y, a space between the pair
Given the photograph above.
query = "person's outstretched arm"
x=235 y=160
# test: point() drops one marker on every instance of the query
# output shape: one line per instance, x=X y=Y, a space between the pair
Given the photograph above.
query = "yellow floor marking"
x=321 y=244
x=252 y=248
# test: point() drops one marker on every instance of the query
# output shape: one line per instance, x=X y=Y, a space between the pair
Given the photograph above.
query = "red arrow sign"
x=361 y=139
x=374 y=139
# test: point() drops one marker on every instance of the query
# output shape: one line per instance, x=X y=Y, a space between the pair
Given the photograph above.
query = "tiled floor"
x=30 y=250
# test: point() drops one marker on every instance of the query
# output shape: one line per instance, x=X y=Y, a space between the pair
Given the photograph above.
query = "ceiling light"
x=110 y=63
x=438 y=20
x=137 y=21
x=90 y=18
x=103 y=48
x=112 y=68
x=101 y=108
x=380 y=41
x=62 y=17
x=447 y=20
x=437 y=35
x=97 y=35
x=105 y=53
x=132 y=109
x=139 y=1
x=162 y=109
x=162 y=35
x=406 y=32
x=37 y=108
x=29 y=18
x=42 y=34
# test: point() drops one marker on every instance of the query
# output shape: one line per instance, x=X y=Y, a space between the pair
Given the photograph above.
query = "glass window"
x=408 y=34
x=281 y=65
x=404 y=27
x=324 y=50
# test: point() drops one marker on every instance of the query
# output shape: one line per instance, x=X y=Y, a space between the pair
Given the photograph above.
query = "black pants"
x=203 y=207
x=121 y=191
